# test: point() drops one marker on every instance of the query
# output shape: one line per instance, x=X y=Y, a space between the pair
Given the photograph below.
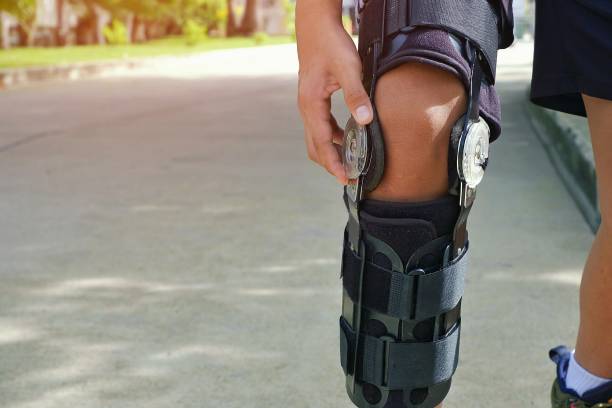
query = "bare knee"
x=417 y=105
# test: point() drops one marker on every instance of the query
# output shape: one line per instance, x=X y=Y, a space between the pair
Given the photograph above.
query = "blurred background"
x=164 y=241
x=163 y=26
x=85 y=22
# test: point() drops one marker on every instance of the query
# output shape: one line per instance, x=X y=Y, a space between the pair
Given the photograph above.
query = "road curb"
x=22 y=76
x=572 y=156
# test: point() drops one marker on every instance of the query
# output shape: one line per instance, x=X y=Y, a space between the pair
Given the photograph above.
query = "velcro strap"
x=396 y=365
x=476 y=20
x=407 y=297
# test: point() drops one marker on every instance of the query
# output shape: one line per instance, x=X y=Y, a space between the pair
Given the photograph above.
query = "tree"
x=231 y=29
x=212 y=14
x=131 y=11
x=248 y=26
x=25 y=12
x=87 y=29
x=4 y=31
x=59 y=29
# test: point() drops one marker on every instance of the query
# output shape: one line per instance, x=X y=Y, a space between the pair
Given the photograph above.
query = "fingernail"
x=362 y=114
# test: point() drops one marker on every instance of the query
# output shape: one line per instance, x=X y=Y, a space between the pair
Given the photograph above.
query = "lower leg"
x=594 y=344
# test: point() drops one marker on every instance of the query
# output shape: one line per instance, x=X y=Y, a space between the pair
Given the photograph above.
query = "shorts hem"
x=564 y=92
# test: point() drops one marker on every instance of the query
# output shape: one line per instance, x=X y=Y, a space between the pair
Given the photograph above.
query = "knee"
x=417 y=106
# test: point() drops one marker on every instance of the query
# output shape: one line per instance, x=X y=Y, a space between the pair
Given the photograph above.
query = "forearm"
x=317 y=11
x=315 y=15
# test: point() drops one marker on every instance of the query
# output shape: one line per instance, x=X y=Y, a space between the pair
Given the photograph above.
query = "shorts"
x=573 y=53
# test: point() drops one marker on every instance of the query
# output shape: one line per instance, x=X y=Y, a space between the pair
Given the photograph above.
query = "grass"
x=29 y=57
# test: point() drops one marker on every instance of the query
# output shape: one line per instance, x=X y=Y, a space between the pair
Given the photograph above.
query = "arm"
x=328 y=62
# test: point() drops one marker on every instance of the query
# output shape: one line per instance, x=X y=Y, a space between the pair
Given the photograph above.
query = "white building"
x=271 y=17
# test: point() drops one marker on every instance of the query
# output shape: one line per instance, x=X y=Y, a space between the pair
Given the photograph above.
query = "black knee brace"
x=403 y=265
x=406 y=307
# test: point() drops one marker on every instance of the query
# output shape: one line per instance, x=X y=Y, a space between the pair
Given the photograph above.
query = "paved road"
x=165 y=243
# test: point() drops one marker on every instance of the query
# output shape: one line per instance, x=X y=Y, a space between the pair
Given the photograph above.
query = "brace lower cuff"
x=400 y=326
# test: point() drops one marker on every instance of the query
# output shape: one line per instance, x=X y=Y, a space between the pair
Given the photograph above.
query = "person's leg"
x=594 y=344
x=418 y=105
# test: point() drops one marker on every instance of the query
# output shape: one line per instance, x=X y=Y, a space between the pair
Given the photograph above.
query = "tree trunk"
x=102 y=18
x=31 y=34
x=97 y=22
x=248 y=26
x=129 y=25
x=136 y=30
x=59 y=29
x=231 y=29
x=5 y=31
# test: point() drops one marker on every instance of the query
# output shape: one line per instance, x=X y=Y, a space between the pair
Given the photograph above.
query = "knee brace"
x=403 y=265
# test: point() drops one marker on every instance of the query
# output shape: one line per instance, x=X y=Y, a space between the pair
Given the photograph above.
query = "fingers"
x=319 y=152
x=321 y=130
x=355 y=96
x=310 y=147
x=321 y=133
x=328 y=155
x=337 y=132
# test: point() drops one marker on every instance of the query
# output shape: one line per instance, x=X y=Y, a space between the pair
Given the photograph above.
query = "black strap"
x=404 y=296
x=397 y=365
x=476 y=20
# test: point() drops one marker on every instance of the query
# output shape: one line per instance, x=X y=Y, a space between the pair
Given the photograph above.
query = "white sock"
x=580 y=380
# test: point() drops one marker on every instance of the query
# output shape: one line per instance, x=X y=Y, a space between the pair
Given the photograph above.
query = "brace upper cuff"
x=476 y=20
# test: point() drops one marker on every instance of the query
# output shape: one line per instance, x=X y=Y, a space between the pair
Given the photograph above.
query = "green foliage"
x=215 y=14
x=260 y=38
x=23 y=10
x=346 y=22
x=206 y=12
x=116 y=33
x=149 y=9
x=198 y=18
x=290 y=17
x=194 y=32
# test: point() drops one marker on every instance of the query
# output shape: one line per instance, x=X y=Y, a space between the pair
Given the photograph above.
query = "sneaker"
x=563 y=397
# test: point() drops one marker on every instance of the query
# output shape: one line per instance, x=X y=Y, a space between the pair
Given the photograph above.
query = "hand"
x=328 y=62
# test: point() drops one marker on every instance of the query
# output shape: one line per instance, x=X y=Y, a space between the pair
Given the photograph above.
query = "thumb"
x=355 y=96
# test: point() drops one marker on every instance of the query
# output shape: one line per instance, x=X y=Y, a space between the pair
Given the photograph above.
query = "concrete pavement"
x=165 y=243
